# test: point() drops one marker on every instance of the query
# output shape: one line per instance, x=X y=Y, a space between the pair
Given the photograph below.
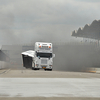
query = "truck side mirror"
x=53 y=55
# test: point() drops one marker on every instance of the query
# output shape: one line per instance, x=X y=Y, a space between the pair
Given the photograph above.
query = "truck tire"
x=50 y=69
x=45 y=69
x=35 y=68
x=32 y=68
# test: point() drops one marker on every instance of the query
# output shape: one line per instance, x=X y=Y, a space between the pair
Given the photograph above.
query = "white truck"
x=40 y=58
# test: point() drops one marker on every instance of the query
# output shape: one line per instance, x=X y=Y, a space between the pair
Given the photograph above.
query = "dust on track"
x=28 y=73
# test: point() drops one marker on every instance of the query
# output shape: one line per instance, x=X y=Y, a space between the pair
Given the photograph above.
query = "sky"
x=26 y=21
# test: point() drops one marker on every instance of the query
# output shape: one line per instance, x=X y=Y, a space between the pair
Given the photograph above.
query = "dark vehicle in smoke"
x=3 y=57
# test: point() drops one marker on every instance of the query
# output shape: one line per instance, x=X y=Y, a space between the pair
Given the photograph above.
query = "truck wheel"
x=50 y=69
x=34 y=68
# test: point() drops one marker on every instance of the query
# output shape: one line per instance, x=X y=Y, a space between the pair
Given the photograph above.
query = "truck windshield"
x=45 y=55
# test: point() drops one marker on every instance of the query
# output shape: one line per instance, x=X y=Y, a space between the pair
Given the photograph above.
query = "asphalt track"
x=27 y=84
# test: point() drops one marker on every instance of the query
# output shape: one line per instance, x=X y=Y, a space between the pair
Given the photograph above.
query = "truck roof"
x=43 y=43
x=43 y=47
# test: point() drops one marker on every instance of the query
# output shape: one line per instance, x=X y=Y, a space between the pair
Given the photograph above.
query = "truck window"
x=44 y=55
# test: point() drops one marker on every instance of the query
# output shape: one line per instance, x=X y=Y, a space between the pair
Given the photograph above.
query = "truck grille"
x=43 y=61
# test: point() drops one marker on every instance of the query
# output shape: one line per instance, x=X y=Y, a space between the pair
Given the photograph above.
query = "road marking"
x=5 y=71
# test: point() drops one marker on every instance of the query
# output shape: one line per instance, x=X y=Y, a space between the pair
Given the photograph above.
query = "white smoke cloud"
x=49 y=20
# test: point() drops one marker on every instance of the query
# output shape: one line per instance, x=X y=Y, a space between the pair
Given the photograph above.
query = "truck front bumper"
x=43 y=67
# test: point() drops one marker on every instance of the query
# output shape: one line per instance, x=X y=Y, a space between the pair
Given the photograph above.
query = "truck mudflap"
x=27 y=61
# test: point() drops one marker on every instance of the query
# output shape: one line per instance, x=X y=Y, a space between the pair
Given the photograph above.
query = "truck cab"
x=43 y=57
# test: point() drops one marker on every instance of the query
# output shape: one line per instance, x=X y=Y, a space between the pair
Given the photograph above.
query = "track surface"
x=50 y=87
x=27 y=84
